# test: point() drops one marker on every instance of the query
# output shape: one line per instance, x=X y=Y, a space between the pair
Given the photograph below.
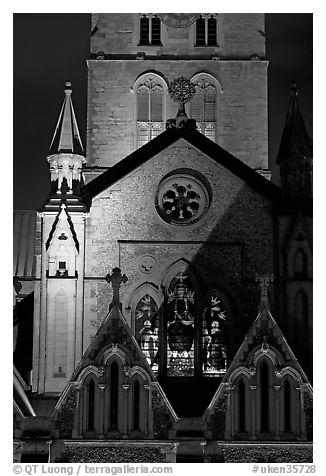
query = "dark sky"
x=50 y=49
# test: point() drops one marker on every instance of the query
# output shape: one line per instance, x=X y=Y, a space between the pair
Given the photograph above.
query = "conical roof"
x=295 y=139
x=66 y=137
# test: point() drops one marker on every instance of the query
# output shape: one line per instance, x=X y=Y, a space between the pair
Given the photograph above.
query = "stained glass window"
x=180 y=327
x=147 y=329
x=214 y=352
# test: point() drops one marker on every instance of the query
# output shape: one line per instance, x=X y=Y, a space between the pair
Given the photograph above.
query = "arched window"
x=206 y=30
x=242 y=406
x=179 y=327
x=264 y=398
x=200 y=31
x=214 y=335
x=147 y=329
x=287 y=407
x=136 y=405
x=300 y=263
x=150 y=96
x=114 y=396
x=203 y=106
x=149 y=30
x=91 y=405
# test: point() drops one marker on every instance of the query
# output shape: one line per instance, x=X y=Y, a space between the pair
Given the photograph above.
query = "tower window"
x=206 y=30
x=150 y=30
x=203 y=107
x=201 y=32
x=144 y=31
x=149 y=110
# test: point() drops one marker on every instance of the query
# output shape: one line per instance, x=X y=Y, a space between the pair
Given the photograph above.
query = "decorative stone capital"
x=181 y=122
x=125 y=386
x=101 y=371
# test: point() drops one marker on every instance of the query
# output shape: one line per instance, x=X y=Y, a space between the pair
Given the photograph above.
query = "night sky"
x=50 y=49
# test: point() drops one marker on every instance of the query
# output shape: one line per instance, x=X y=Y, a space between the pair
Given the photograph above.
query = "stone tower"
x=135 y=56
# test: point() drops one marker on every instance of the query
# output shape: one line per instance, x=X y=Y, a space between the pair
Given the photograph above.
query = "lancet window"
x=180 y=328
x=147 y=329
x=150 y=96
x=214 y=335
x=149 y=30
x=203 y=106
x=182 y=336
x=206 y=30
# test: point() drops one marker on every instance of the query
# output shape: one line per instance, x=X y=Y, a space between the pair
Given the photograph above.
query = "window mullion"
x=206 y=30
x=150 y=29
x=150 y=115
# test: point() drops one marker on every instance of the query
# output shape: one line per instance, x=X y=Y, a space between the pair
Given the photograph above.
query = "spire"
x=295 y=152
x=295 y=139
x=66 y=159
x=66 y=137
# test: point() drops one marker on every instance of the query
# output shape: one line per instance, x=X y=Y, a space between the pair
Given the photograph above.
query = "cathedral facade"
x=171 y=279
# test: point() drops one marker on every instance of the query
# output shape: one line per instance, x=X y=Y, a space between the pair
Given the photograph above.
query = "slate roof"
x=164 y=140
x=21 y=400
x=24 y=241
x=66 y=137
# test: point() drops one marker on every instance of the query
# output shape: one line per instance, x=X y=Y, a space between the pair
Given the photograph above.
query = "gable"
x=62 y=229
x=113 y=337
x=164 y=140
x=133 y=198
x=265 y=340
x=113 y=342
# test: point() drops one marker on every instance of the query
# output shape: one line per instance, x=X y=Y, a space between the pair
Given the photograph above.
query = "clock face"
x=178 y=20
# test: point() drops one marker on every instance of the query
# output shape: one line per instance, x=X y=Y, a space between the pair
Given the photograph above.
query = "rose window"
x=182 y=199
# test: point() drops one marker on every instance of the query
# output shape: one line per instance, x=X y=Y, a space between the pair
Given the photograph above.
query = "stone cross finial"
x=116 y=278
x=264 y=281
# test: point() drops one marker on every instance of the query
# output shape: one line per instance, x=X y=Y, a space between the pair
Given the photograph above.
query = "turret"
x=295 y=153
x=66 y=159
x=58 y=301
